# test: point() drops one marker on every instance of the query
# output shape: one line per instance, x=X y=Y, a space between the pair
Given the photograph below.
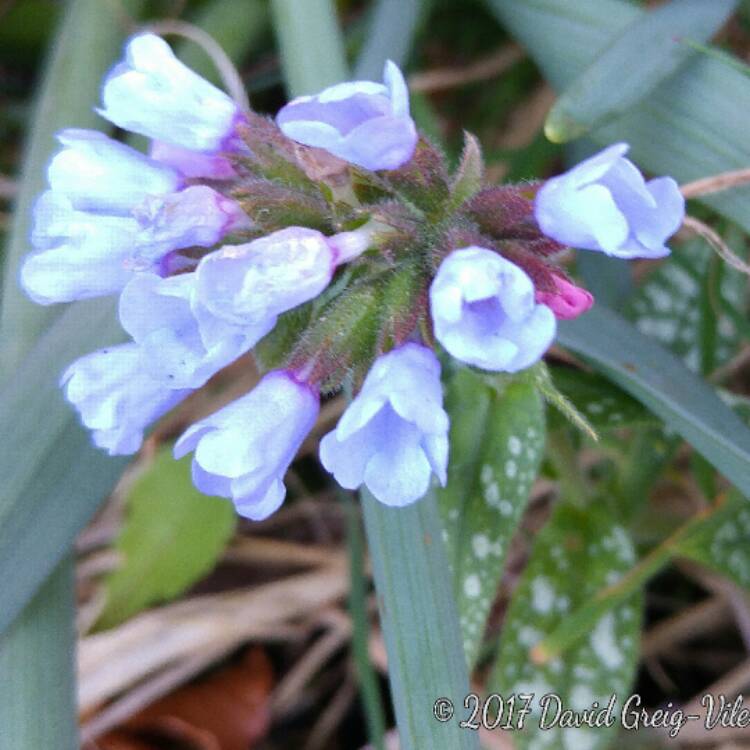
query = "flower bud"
x=568 y=301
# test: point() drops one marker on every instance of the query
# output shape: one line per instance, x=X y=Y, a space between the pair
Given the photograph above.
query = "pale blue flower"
x=79 y=254
x=152 y=93
x=605 y=204
x=245 y=284
x=484 y=312
x=243 y=450
x=98 y=174
x=394 y=434
x=192 y=163
x=198 y=216
x=116 y=399
x=365 y=123
x=182 y=344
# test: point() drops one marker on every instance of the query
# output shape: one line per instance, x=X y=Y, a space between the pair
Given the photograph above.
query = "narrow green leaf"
x=312 y=49
x=650 y=49
x=605 y=405
x=468 y=178
x=85 y=46
x=390 y=35
x=369 y=688
x=172 y=536
x=687 y=539
x=420 y=625
x=238 y=24
x=37 y=689
x=688 y=127
x=665 y=386
x=497 y=443
x=577 y=553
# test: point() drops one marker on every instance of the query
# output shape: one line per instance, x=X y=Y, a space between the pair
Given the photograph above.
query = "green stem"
x=418 y=614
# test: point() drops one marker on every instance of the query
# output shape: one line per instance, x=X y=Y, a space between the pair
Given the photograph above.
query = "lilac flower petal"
x=249 y=283
x=484 y=312
x=152 y=93
x=394 y=434
x=192 y=164
x=364 y=123
x=605 y=204
x=98 y=174
x=243 y=450
x=115 y=398
x=168 y=323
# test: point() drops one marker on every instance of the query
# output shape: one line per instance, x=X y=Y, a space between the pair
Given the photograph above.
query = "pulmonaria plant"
x=334 y=245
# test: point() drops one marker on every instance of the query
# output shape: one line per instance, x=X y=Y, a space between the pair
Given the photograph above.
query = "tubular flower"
x=394 y=434
x=182 y=344
x=484 y=313
x=604 y=204
x=364 y=123
x=116 y=399
x=243 y=451
x=152 y=93
x=266 y=277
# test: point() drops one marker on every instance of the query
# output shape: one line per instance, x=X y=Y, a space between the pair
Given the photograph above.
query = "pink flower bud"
x=568 y=302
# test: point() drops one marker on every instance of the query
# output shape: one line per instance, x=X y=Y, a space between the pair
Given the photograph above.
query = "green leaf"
x=577 y=553
x=369 y=687
x=497 y=443
x=420 y=625
x=172 y=536
x=688 y=126
x=650 y=49
x=390 y=35
x=468 y=178
x=238 y=24
x=36 y=661
x=311 y=46
x=676 y=303
x=722 y=541
x=605 y=405
x=665 y=386
x=85 y=46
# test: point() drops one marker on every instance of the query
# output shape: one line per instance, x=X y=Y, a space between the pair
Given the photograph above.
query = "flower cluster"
x=334 y=244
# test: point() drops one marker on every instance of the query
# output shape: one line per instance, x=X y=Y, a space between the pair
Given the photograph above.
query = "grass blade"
x=312 y=49
x=389 y=36
x=86 y=44
x=37 y=697
x=420 y=624
x=650 y=49
x=665 y=386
